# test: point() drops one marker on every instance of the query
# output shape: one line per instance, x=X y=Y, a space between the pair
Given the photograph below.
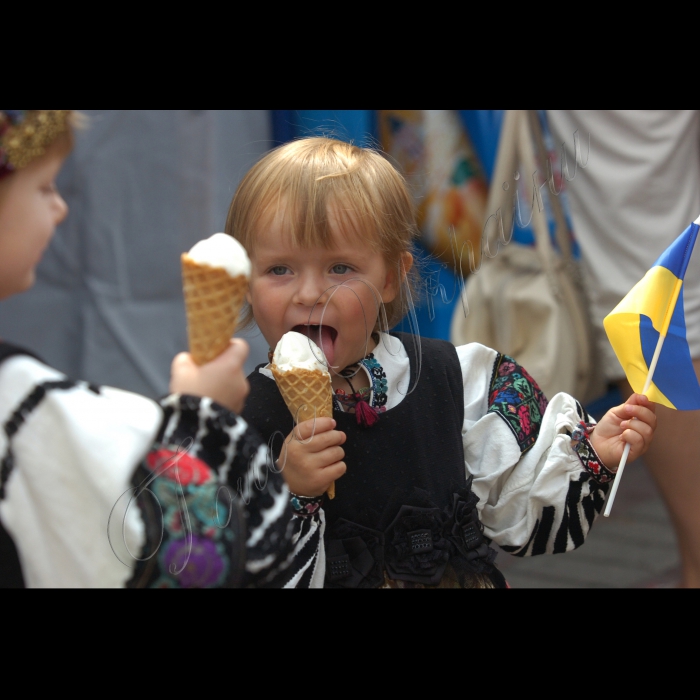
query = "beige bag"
x=527 y=302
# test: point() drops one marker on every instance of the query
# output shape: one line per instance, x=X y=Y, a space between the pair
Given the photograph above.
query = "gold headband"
x=29 y=134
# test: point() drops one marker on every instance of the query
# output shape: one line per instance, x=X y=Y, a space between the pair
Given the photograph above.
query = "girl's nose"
x=312 y=290
x=61 y=209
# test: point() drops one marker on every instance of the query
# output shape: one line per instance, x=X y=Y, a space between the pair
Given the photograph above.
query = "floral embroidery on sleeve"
x=588 y=456
x=515 y=397
x=190 y=545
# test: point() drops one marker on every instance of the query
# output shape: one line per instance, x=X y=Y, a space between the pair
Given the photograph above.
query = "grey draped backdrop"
x=143 y=186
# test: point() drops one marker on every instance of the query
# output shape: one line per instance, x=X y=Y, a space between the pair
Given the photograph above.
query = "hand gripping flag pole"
x=651 y=316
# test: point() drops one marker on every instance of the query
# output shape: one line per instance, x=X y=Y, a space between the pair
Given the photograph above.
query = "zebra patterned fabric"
x=222 y=501
x=583 y=503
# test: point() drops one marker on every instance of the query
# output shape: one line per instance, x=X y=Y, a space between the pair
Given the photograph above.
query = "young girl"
x=436 y=450
x=73 y=456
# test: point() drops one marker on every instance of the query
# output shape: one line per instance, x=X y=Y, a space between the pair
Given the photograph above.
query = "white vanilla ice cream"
x=296 y=351
x=221 y=250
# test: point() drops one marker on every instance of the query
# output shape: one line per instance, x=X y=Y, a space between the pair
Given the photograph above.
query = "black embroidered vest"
x=10 y=568
x=404 y=504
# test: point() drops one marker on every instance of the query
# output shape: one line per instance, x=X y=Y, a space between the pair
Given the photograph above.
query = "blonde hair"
x=304 y=178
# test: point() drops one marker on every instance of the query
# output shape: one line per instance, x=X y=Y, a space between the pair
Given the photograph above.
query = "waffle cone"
x=308 y=394
x=213 y=301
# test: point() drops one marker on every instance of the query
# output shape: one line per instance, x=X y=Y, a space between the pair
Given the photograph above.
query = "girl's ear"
x=395 y=277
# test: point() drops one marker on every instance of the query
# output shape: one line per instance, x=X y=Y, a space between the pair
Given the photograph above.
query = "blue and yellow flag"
x=654 y=309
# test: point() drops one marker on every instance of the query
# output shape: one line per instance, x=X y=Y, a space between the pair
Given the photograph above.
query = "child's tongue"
x=323 y=337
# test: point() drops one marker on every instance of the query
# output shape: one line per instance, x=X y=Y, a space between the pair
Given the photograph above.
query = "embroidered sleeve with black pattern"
x=11 y=570
x=225 y=519
x=302 y=563
x=579 y=512
x=581 y=444
x=515 y=396
x=19 y=416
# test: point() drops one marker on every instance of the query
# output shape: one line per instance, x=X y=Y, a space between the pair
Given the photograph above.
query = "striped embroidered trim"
x=577 y=516
x=306 y=506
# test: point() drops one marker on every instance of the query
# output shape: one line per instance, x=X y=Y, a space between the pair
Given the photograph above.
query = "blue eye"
x=279 y=270
x=340 y=269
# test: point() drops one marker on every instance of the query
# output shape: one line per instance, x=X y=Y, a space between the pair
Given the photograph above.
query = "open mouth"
x=324 y=336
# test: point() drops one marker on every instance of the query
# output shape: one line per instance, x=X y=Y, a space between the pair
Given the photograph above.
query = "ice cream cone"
x=308 y=394
x=213 y=301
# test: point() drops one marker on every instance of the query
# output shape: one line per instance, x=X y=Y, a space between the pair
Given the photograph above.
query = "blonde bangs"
x=322 y=187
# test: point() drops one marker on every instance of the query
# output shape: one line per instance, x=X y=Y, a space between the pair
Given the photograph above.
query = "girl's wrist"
x=306 y=506
x=583 y=447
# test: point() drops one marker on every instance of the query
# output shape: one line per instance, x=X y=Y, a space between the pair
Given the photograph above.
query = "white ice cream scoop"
x=215 y=275
x=296 y=351
x=222 y=250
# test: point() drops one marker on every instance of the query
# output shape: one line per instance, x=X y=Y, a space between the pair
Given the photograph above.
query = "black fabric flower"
x=354 y=556
x=416 y=549
x=417 y=546
x=464 y=531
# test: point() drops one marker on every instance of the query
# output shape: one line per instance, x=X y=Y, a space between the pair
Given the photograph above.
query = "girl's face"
x=293 y=289
x=30 y=210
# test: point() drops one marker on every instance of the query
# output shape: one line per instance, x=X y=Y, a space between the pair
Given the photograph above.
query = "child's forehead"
x=341 y=228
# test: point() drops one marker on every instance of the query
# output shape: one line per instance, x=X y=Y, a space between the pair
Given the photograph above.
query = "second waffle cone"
x=307 y=393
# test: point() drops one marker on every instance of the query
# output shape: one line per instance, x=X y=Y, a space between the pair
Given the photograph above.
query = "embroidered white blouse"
x=533 y=499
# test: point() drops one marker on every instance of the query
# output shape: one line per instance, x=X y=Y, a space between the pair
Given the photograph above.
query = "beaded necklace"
x=359 y=401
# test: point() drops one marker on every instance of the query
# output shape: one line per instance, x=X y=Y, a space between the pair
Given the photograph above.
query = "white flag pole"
x=647 y=384
x=626 y=452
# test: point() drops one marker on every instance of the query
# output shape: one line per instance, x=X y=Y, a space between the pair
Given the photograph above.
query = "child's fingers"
x=644 y=414
x=183 y=372
x=305 y=429
x=641 y=400
x=182 y=360
x=638 y=444
x=637 y=405
x=237 y=352
x=318 y=442
x=645 y=431
x=327 y=457
x=334 y=471
x=323 y=478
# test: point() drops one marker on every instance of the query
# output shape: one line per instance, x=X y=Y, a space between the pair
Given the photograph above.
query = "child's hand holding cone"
x=312 y=457
x=303 y=380
x=223 y=379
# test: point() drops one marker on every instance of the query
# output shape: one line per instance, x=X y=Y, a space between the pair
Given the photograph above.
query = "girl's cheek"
x=357 y=302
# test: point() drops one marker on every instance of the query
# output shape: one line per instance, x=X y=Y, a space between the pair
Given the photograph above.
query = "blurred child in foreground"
x=101 y=487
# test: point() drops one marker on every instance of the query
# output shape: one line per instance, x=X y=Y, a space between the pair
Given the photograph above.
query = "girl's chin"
x=344 y=360
x=10 y=287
